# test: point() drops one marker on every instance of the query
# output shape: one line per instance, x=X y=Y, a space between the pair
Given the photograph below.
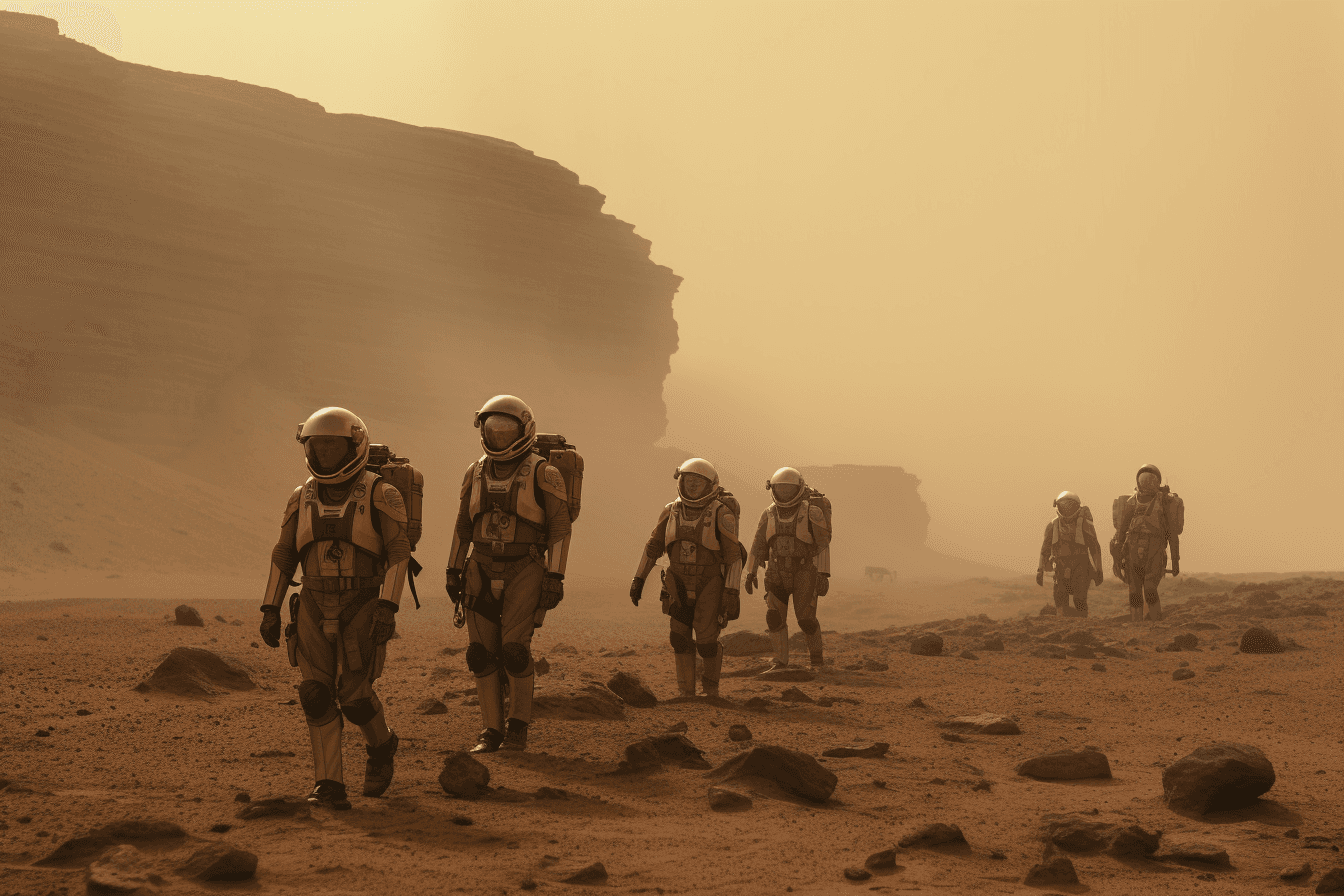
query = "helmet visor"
x=499 y=431
x=1147 y=482
x=1068 y=508
x=785 y=492
x=328 y=454
x=693 y=486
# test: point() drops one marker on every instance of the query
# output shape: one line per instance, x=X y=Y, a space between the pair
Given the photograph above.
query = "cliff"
x=192 y=265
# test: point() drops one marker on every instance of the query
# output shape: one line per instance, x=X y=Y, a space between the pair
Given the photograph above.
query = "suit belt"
x=495 y=550
x=329 y=584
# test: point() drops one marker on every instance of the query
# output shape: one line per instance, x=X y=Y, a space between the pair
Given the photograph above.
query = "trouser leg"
x=683 y=648
x=317 y=690
x=483 y=658
x=777 y=622
x=805 y=609
x=706 y=625
x=522 y=596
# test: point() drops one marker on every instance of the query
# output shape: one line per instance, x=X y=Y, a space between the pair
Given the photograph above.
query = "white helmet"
x=507 y=427
x=340 y=423
x=1067 y=504
x=697 y=468
x=787 y=487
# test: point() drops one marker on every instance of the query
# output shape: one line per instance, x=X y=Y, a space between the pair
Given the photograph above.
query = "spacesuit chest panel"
x=350 y=521
x=1148 y=519
x=1068 y=539
x=499 y=505
x=788 y=537
x=693 y=541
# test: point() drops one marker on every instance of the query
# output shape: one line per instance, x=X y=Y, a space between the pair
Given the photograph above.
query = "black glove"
x=751 y=582
x=823 y=584
x=636 y=590
x=453 y=585
x=1096 y=579
x=270 y=625
x=1040 y=577
x=732 y=606
x=1175 y=565
x=552 y=590
x=384 y=622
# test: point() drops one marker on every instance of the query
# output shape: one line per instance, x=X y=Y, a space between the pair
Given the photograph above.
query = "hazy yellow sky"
x=1012 y=247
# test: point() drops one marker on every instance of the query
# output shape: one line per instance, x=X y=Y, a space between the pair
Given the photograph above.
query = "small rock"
x=463 y=776
x=722 y=799
x=652 y=752
x=985 y=723
x=122 y=869
x=1189 y=851
x=221 y=619
x=1292 y=833
x=1303 y=870
x=876 y=751
x=1067 y=765
x=595 y=873
x=1057 y=871
x=430 y=707
x=461 y=821
x=997 y=856
x=1182 y=675
x=991 y=644
x=794 y=695
x=1133 y=841
x=1217 y=777
x=242 y=796
x=796 y=772
x=1331 y=882
x=1081 y=652
x=1260 y=640
x=1185 y=641
x=186 y=615
x=927 y=645
x=875 y=666
x=953 y=738
x=219 y=861
x=563 y=650
x=967 y=655
x=857 y=874
x=933 y=835
x=882 y=861
x=739 y=733
x=678 y=728
x=41 y=732
x=83 y=712
x=221 y=828
x=631 y=689
x=541 y=665
x=1098 y=667
x=275 y=807
x=759 y=704
x=917 y=703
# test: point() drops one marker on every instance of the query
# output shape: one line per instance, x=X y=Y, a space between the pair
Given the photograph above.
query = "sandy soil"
x=68 y=666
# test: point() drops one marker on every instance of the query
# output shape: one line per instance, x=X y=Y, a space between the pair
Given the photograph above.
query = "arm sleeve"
x=656 y=546
x=457 y=558
x=758 y=555
x=732 y=552
x=1044 y=562
x=285 y=554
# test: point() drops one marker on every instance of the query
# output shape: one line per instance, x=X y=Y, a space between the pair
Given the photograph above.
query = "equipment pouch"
x=292 y=642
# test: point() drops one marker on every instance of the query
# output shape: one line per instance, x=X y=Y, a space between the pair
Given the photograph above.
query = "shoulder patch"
x=816 y=514
x=551 y=481
x=387 y=499
x=728 y=523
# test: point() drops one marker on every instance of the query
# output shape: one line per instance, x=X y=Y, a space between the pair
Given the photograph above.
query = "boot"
x=779 y=640
x=515 y=735
x=815 y=649
x=1154 y=610
x=487 y=741
x=520 y=697
x=378 y=769
x=329 y=793
x=490 y=693
x=326 y=741
x=709 y=677
x=685 y=674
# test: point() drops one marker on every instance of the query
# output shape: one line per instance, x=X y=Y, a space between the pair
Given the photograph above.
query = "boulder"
x=1217 y=777
x=1055 y=872
x=185 y=615
x=721 y=799
x=1296 y=872
x=936 y=834
x=219 y=861
x=430 y=707
x=739 y=733
x=463 y=776
x=798 y=773
x=745 y=644
x=927 y=645
x=196 y=672
x=985 y=723
x=586 y=703
x=1260 y=640
x=876 y=751
x=1067 y=765
x=631 y=689
x=122 y=869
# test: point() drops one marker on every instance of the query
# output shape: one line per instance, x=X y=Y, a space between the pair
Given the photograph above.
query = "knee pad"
x=1136 y=599
x=708 y=650
x=810 y=626
x=516 y=657
x=774 y=620
x=315 y=698
x=359 y=712
x=1150 y=595
x=480 y=660
x=681 y=643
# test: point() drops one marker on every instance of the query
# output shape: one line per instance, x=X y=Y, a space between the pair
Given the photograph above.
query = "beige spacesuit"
x=793 y=541
x=347 y=528
x=698 y=532
x=1141 y=539
x=507 y=564
x=1071 y=548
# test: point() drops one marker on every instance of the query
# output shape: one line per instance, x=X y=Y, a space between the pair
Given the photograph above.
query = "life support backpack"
x=1172 y=505
x=730 y=501
x=817 y=499
x=410 y=483
x=562 y=455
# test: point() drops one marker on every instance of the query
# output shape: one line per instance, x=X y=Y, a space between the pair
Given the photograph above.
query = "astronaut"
x=1146 y=526
x=1071 y=547
x=698 y=532
x=347 y=528
x=507 y=564
x=793 y=541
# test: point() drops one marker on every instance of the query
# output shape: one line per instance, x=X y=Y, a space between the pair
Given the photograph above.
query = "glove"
x=1175 y=566
x=454 y=586
x=732 y=605
x=636 y=590
x=552 y=590
x=270 y=625
x=823 y=584
x=384 y=622
x=1040 y=577
x=751 y=582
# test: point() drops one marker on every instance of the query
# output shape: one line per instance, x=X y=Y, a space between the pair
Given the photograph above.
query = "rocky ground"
x=167 y=788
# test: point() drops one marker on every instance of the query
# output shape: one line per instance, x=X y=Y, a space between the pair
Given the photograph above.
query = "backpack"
x=730 y=501
x=1118 y=512
x=410 y=482
x=562 y=455
x=817 y=499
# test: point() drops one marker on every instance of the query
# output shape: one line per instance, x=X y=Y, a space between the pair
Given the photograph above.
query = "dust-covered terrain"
x=85 y=752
